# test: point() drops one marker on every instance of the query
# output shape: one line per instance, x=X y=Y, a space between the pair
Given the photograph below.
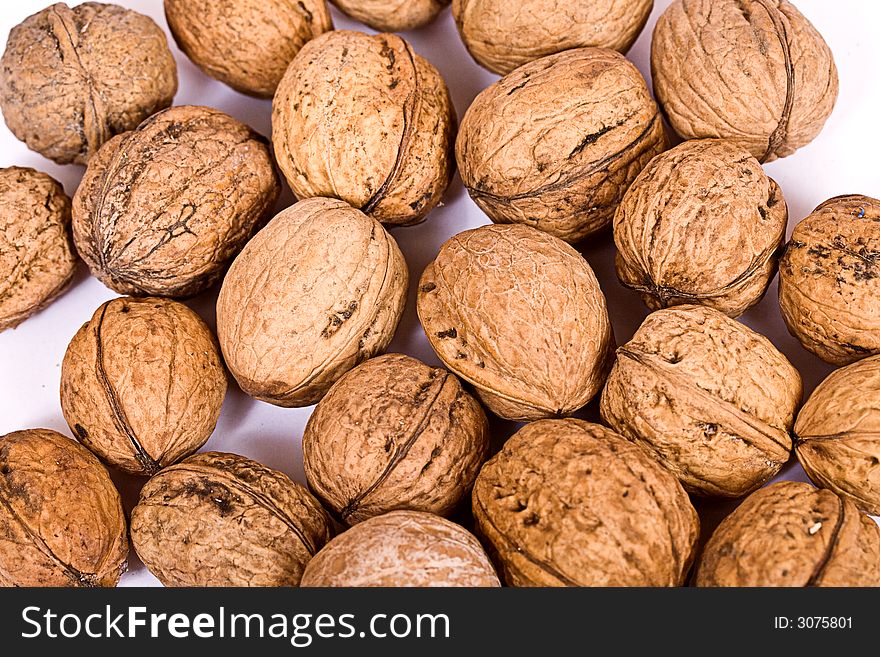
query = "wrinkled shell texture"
x=402 y=549
x=519 y=314
x=569 y=503
x=61 y=519
x=316 y=292
x=791 y=534
x=753 y=71
x=37 y=260
x=706 y=396
x=394 y=433
x=219 y=519
x=393 y=15
x=70 y=79
x=556 y=143
x=701 y=224
x=162 y=210
x=829 y=280
x=238 y=43
x=365 y=119
x=142 y=383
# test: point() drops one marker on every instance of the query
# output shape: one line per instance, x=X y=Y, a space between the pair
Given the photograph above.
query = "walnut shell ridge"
x=394 y=16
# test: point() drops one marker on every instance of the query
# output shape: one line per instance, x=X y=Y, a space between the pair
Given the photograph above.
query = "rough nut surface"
x=556 y=143
x=163 y=209
x=61 y=519
x=365 y=119
x=706 y=396
x=519 y=314
x=753 y=71
x=72 y=78
x=569 y=503
x=393 y=15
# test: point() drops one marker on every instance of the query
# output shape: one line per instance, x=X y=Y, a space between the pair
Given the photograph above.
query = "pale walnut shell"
x=365 y=119
x=61 y=519
x=391 y=434
x=402 y=549
x=701 y=224
x=163 y=209
x=316 y=292
x=219 y=519
x=569 y=503
x=518 y=314
x=753 y=71
x=556 y=143
x=72 y=78
x=393 y=15
x=791 y=534
x=142 y=383
x=706 y=396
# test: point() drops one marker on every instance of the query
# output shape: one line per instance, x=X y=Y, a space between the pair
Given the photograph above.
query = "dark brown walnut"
x=518 y=314
x=365 y=119
x=163 y=209
x=61 y=519
x=569 y=503
x=393 y=16
x=706 y=396
x=753 y=71
x=72 y=78
x=791 y=534
x=142 y=383
x=219 y=519
x=556 y=143
x=701 y=224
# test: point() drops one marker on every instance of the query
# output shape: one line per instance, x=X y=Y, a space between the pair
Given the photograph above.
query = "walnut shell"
x=791 y=534
x=706 y=396
x=402 y=549
x=142 y=383
x=163 y=209
x=569 y=503
x=364 y=119
x=72 y=78
x=701 y=224
x=319 y=290
x=753 y=71
x=61 y=519
x=394 y=16
x=37 y=260
x=556 y=143
x=518 y=314
x=219 y=519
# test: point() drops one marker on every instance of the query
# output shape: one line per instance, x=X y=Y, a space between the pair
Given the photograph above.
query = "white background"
x=843 y=159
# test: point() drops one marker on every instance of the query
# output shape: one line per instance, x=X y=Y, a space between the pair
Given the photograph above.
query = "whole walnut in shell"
x=365 y=119
x=72 y=78
x=218 y=519
x=791 y=534
x=163 y=209
x=752 y=71
x=402 y=549
x=61 y=519
x=518 y=314
x=393 y=15
x=556 y=143
x=316 y=292
x=701 y=224
x=706 y=396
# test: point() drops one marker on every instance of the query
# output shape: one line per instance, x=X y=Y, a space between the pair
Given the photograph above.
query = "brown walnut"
x=393 y=15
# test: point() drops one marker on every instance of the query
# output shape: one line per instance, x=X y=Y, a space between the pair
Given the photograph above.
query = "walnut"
x=753 y=71
x=61 y=519
x=518 y=314
x=163 y=209
x=791 y=534
x=289 y=332
x=219 y=519
x=701 y=224
x=395 y=16
x=364 y=119
x=402 y=549
x=706 y=396
x=556 y=143
x=72 y=78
